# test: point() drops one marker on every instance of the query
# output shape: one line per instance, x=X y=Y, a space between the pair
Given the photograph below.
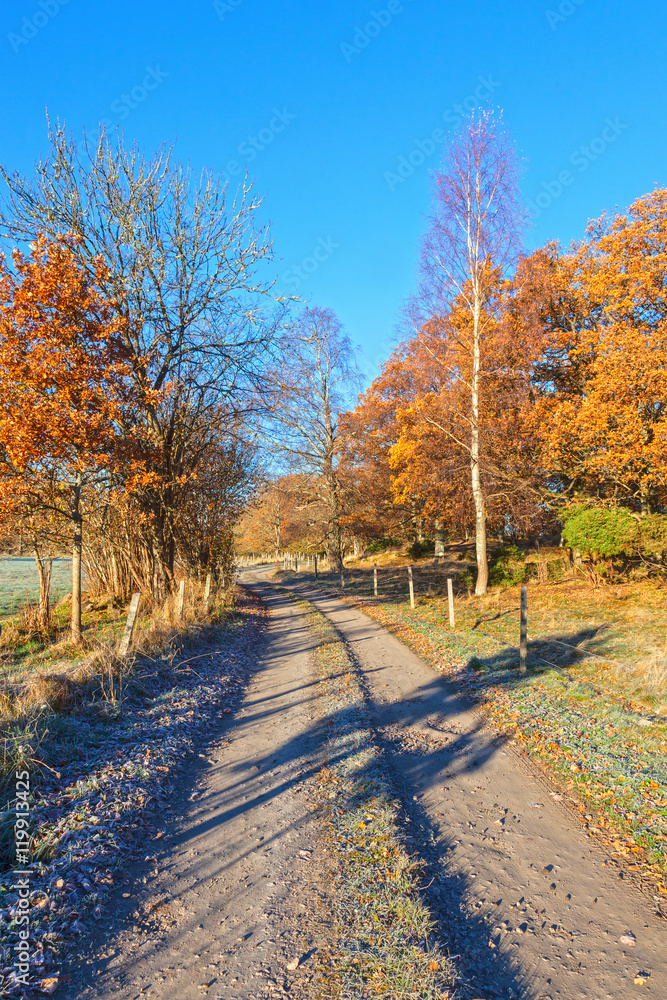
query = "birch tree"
x=472 y=236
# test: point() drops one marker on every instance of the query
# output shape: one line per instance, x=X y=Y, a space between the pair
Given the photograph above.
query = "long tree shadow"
x=492 y=973
x=486 y=972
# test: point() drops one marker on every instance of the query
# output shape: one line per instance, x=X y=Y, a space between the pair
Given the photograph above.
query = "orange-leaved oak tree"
x=602 y=382
x=66 y=398
x=369 y=431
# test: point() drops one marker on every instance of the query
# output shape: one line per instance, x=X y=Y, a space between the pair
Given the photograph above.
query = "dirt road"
x=527 y=906
x=531 y=907
x=231 y=899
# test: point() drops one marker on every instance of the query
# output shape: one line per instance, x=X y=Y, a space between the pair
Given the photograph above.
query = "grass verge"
x=386 y=943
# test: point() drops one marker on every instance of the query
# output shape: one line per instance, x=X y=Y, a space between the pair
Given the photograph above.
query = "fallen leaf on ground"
x=48 y=985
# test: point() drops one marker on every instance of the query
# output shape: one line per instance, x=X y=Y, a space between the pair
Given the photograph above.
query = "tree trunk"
x=334 y=541
x=77 y=522
x=44 y=569
x=477 y=492
x=439 y=540
x=415 y=520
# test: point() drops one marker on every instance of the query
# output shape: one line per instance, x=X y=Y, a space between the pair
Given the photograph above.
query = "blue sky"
x=333 y=108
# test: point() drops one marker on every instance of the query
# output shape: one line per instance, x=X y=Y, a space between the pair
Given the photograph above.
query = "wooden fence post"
x=207 y=589
x=523 y=637
x=412 y=588
x=450 y=601
x=124 y=647
x=342 y=578
x=181 y=599
x=296 y=564
x=375 y=579
x=315 y=558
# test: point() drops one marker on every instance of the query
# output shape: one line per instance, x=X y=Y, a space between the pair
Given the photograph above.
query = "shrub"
x=653 y=535
x=423 y=548
x=380 y=544
x=503 y=568
x=601 y=533
x=555 y=570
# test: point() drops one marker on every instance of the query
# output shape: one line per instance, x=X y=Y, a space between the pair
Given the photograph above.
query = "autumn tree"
x=65 y=391
x=309 y=394
x=602 y=380
x=183 y=259
x=411 y=426
x=213 y=503
x=280 y=516
x=472 y=236
x=372 y=508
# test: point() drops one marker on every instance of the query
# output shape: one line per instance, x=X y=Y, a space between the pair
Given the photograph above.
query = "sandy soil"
x=233 y=895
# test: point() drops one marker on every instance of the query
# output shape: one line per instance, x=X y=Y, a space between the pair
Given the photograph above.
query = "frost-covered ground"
x=89 y=816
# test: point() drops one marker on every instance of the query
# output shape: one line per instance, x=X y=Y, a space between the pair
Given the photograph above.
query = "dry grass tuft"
x=91 y=678
x=649 y=676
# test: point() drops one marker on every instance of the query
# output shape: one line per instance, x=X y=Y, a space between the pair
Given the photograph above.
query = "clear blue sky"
x=322 y=113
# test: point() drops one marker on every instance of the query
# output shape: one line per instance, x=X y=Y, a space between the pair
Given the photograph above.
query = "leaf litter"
x=87 y=818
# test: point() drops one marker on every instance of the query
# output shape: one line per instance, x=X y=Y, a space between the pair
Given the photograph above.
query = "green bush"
x=601 y=532
x=555 y=570
x=423 y=548
x=380 y=544
x=653 y=534
x=503 y=568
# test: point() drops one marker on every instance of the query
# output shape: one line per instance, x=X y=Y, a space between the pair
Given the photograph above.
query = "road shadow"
x=485 y=971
